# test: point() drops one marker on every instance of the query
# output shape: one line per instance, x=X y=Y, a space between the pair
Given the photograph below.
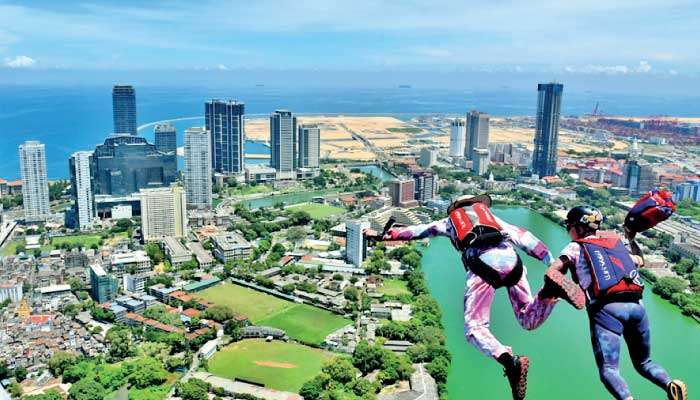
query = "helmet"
x=586 y=216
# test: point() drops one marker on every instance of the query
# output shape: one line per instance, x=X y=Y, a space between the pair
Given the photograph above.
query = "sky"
x=651 y=42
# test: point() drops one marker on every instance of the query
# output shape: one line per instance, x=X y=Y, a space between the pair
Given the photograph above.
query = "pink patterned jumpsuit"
x=530 y=312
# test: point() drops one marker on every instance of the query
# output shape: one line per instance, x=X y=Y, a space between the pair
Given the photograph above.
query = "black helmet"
x=586 y=216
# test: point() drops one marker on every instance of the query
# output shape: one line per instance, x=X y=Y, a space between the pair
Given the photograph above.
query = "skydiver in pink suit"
x=487 y=245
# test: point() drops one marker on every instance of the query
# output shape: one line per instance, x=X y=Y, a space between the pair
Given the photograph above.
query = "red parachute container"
x=652 y=208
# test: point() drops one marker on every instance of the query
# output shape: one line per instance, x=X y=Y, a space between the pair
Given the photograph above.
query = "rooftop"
x=231 y=241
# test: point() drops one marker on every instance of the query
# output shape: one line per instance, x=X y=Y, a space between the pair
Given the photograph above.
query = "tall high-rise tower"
x=283 y=143
x=198 y=168
x=163 y=213
x=165 y=138
x=544 y=158
x=124 y=109
x=458 y=138
x=224 y=121
x=477 y=133
x=35 y=185
x=309 y=146
x=81 y=186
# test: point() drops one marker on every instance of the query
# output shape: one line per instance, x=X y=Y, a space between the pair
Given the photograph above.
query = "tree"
x=60 y=361
x=75 y=372
x=219 y=313
x=147 y=372
x=313 y=389
x=296 y=234
x=234 y=329
x=193 y=389
x=120 y=344
x=340 y=370
x=439 y=369
x=20 y=374
x=86 y=389
x=51 y=394
x=351 y=293
x=667 y=286
x=367 y=358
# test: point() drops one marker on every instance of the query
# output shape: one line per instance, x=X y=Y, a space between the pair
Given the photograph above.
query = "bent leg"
x=638 y=338
x=530 y=312
x=477 y=314
x=606 y=348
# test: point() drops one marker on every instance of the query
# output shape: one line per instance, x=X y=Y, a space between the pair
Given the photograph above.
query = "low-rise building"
x=134 y=262
x=231 y=246
x=175 y=251
x=203 y=257
x=11 y=291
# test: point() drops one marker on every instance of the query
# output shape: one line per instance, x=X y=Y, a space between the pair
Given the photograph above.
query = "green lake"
x=562 y=364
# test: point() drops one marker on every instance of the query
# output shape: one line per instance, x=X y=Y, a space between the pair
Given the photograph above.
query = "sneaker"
x=676 y=390
x=517 y=376
x=565 y=288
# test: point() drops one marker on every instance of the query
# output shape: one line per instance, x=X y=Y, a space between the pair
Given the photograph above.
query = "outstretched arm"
x=526 y=241
x=417 y=232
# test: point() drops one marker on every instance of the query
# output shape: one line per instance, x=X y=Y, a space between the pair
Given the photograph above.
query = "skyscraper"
x=165 y=138
x=544 y=158
x=198 y=168
x=163 y=213
x=403 y=193
x=477 y=133
x=283 y=143
x=458 y=138
x=35 y=185
x=225 y=123
x=428 y=157
x=81 y=187
x=426 y=186
x=309 y=146
x=124 y=164
x=124 y=109
x=355 y=245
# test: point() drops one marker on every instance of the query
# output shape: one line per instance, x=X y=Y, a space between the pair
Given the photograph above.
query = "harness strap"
x=490 y=275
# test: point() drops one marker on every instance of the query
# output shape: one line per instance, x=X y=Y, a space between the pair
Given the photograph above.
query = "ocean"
x=67 y=119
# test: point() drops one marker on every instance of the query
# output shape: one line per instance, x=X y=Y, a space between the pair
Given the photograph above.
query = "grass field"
x=277 y=365
x=306 y=323
x=84 y=240
x=405 y=130
x=302 y=322
x=10 y=247
x=318 y=211
x=251 y=303
x=394 y=287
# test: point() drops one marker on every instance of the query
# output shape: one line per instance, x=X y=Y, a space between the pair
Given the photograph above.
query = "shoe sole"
x=522 y=384
x=573 y=293
x=677 y=390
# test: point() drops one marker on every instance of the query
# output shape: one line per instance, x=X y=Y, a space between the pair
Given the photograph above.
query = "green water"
x=287 y=199
x=560 y=352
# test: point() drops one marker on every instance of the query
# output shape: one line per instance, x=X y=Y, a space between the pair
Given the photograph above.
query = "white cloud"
x=643 y=68
x=19 y=62
x=598 y=69
x=672 y=72
x=222 y=67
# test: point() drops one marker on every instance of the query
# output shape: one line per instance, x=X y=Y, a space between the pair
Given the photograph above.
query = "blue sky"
x=576 y=38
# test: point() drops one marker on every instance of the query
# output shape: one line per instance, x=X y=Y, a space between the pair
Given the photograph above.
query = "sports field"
x=277 y=365
x=306 y=323
x=302 y=322
x=249 y=302
x=317 y=211
x=394 y=287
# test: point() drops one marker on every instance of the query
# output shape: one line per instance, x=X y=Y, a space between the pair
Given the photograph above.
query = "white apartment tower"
x=163 y=213
x=35 y=185
x=458 y=138
x=81 y=185
x=198 y=185
x=355 y=247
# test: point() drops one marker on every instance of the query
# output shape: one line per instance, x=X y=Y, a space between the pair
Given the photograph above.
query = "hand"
x=371 y=233
x=391 y=234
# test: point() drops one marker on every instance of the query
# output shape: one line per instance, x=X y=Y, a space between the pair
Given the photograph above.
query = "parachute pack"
x=475 y=228
x=652 y=208
x=613 y=272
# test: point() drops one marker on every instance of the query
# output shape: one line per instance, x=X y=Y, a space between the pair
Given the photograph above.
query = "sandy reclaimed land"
x=686 y=120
